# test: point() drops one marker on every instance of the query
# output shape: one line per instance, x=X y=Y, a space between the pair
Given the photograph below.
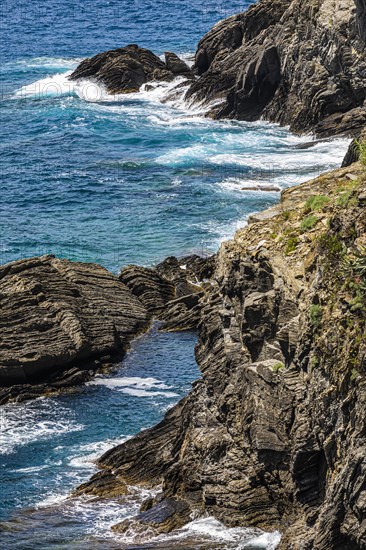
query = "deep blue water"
x=115 y=180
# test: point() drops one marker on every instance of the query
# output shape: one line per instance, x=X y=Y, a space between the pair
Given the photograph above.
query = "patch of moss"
x=308 y=223
x=316 y=202
x=331 y=245
x=316 y=315
x=291 y=244
x=361 y=146
x=278 y=366
x=354 y=375
x=346 y=199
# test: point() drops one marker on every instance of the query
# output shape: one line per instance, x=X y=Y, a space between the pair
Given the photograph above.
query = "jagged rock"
x=124 y=70
x=287 y=61
x=182 y=313
x=57 y=318
x=146 y=284
x=102 y=484
x=361 y=18
x=177 y=66
x=353 y=152
x=273 y=435
x=171 y=290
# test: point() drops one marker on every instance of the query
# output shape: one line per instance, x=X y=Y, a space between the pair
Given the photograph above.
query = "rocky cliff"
x=297 y=63
x=274 y=434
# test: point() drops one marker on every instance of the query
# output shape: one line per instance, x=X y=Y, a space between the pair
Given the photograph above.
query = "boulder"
x=124 y=70
x=176 y=65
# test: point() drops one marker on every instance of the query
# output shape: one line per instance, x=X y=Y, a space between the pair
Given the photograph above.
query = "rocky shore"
x=297 y=63
x=274 y=434
x=62 y=321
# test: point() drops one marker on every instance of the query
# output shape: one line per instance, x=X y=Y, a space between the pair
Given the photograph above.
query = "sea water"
x=128 y=179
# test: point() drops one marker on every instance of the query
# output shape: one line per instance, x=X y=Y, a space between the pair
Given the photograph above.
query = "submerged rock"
x=124 y=70
x=273 y=435
x=60 y=321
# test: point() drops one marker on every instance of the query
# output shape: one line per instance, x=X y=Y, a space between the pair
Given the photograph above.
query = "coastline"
x=271 y=438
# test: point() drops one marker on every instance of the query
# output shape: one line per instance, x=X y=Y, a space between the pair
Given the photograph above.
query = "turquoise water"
x=116 y=180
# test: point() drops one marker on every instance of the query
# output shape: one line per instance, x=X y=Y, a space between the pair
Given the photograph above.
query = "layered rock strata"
x=273 y=435
x=62 y=321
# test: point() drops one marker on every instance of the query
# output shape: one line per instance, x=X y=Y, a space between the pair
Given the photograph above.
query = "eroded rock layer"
x=274 y=434
x=58 y=318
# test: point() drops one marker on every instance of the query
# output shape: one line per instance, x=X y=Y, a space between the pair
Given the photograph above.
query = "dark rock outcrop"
x=59 y=321
x=176 y=65
x=63 y=321
x=353 y=152
x=124 y=70
x=273 y=435
x=171 y=291
x=297 y=63
x=288 y=61
x=361 y=18
x=167 y=514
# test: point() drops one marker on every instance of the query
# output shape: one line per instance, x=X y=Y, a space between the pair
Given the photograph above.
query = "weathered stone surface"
x=171 y=291
x=273 y=435
x=146 y=284
x=288 y=61
x=353 y=152
x=124 y=70
x=60 y=319
x=177 y=66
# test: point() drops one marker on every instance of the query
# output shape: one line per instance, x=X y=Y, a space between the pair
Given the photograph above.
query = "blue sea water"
x=116 y=181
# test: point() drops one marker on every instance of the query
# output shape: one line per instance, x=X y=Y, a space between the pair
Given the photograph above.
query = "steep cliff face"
x=274 y=434
x=293 y=62
x=361 y=18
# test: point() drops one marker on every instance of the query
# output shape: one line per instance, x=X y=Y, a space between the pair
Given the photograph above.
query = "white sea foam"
x=53 y=499
x=145 y=393
x=51 y=86
x=30 y=470
x=42 y=62
x=96 y=450
x=209 y=530
x=135 y=386
x=21 y=424
x=134 y=381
